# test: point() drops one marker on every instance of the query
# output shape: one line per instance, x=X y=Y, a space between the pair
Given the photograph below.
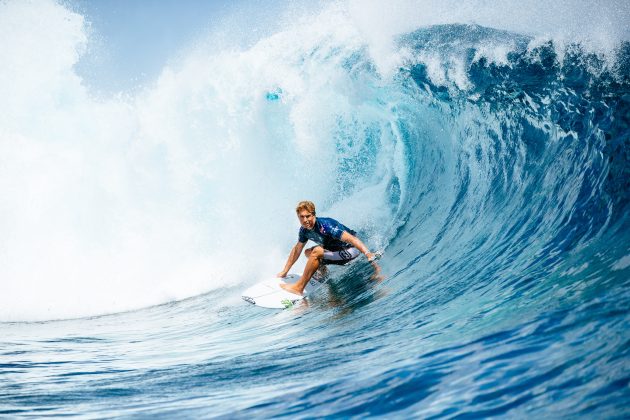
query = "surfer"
x=337 y=244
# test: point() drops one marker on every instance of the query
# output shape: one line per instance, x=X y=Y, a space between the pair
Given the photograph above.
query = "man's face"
x=307 y=219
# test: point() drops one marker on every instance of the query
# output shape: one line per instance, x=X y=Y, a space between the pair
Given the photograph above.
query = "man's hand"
x=293 y=257
x=371 y=257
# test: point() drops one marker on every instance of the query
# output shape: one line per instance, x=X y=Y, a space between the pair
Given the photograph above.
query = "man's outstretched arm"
x=358 y=244
x=293 y=257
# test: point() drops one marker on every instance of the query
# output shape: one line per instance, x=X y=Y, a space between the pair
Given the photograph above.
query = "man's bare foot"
x=291 y=288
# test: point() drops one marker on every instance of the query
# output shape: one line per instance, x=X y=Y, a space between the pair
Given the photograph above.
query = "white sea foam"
x=598 y=27
x=189 y=185
x=601 y=25
x=115 y=204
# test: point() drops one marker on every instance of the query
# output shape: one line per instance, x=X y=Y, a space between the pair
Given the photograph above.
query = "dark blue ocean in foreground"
x=507 y=264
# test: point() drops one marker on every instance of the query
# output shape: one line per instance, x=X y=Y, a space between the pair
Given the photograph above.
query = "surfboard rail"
x=269 y=294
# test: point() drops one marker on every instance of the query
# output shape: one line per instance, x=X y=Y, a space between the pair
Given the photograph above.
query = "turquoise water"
x=490 y=168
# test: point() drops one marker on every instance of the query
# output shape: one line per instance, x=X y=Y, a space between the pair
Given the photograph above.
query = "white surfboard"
x=269 y=294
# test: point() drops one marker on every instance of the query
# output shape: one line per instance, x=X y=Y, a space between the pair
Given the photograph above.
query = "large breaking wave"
x=475 y=142
x=487 y=156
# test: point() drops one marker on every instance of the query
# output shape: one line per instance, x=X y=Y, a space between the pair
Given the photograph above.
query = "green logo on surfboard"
x=287 y=303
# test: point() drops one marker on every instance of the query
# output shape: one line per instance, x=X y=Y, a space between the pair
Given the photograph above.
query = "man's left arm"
x=356 y=242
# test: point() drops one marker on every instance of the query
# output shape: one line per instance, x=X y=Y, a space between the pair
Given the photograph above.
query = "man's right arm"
x=293 y=257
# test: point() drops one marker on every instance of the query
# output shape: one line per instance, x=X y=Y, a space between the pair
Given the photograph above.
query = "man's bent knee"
x=315 y=252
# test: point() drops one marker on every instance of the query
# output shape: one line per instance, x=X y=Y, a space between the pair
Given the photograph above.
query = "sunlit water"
x=489 y=166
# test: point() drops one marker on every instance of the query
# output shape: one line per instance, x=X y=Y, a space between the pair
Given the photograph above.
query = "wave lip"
x=490 y=164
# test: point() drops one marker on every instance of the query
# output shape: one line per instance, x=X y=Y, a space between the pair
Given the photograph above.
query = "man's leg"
x=313 y=262
x=322 y=272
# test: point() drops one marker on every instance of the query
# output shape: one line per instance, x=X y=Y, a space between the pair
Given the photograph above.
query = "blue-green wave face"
x=486 y=156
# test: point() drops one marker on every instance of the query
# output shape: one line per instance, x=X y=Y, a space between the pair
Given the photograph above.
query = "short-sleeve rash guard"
x=327 y=233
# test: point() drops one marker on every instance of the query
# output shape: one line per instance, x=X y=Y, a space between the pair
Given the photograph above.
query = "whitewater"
x=486 y=152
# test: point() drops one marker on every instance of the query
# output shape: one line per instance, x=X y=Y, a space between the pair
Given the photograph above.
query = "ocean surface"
x=489 y=164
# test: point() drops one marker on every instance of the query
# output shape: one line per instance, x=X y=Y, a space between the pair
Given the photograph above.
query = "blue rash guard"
x=327 y=233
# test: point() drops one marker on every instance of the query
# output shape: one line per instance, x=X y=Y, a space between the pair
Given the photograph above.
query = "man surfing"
x=337 y=244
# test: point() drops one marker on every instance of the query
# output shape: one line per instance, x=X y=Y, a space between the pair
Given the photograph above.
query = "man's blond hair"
x=305 y=205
